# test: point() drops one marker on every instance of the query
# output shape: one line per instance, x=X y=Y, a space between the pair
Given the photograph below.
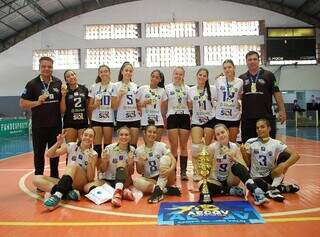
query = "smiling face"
x=104 y=74
x=253 y=62
x=70 y=78
x=87 y=137
x=123 y=136
x=229 y=70
x=178 y=76
x=155 y=79
x=46 y=68
x=202 y=78
x=263 y=129
x=150 y=133
x=127 y=72
x=222 y=134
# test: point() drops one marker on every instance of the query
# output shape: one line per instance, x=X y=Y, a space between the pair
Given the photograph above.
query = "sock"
x=240 y=171
x=119 y=186
x=277 y=180
x=98 y=149
x=54 y=189
x=183 y=164
x=58 y=194
x=65 y=184
x=251 y=185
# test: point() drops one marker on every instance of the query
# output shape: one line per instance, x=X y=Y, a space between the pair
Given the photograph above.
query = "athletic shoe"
x=290 y=188
x=236 y=191
x=127 y=195
x=116 y=199
x=275 y=195
x=183 y=176
x=172 y=191
x=196 y=177
x=156 y=196
x=259 y=197
x=52 y=202
x=73 y=195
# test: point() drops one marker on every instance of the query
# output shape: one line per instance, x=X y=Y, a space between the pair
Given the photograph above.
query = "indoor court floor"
x=22 y=213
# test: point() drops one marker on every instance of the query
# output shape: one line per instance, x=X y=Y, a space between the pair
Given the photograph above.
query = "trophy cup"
x=204 y=163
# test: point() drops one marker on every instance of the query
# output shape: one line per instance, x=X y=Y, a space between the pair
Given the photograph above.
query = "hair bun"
x=151 y=122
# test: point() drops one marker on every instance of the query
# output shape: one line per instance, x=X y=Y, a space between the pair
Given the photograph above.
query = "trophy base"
x=205 y=199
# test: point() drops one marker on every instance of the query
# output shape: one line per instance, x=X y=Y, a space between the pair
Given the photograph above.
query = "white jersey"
x=153 y=110
x=152 y=165
x=104 y=113
x=222 y=162
x=263 y=155
x=127 y=110
x=202 y=109
x=228 y=94
x=177 y=99
x=115 y=155
x=76 y=155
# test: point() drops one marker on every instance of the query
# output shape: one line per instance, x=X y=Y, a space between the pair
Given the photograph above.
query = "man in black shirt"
x=42 y=95
x=259 y=86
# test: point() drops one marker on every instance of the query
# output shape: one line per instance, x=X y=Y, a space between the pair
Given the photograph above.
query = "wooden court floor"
x=22 y=213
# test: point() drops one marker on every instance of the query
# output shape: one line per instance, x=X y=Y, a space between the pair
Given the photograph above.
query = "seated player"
x=79 y=172
x=269 y=160
x=228 y=168
x=157 y=166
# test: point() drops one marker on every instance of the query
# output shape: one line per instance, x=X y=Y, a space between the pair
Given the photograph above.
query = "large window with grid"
x=112 y=31
x=172 y=56
x=63 y=58
x=230 y=28
x=172 y=30
x=113 y=57
x=216 y=54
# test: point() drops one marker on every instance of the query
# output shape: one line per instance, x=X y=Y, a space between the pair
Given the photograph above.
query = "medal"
x=253 y=87
x=229 y=102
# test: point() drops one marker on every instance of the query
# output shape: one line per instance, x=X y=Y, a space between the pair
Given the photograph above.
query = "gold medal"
x=253 y=87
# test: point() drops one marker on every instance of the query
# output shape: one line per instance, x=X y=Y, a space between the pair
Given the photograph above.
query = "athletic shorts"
x=229 y=124
x=101 y=124
x=181 y=121
x=133 y=124
x=76 y=126
x=210 y=124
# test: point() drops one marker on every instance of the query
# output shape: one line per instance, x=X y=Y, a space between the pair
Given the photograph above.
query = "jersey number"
x=262 y=160
x=153 y=166
x=105 y=100
x=129 y=99
x=77 y=102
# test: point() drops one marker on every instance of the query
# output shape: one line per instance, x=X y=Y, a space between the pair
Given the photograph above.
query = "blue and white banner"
x=192 y=213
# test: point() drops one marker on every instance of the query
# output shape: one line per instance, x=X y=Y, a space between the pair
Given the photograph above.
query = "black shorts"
x=229 y=124
x=248 y=128
x=101 y=124
x=181 y=121
x=133 y=124
x=76 y=126
x=210 y=124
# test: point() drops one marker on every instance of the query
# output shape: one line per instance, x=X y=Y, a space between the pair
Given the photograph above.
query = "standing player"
x=201 y=100
x=178 y=118
x=269 y=160
x=157 y=166
x=42 y=95
x=74 y=105
x=124 y=101
x=150 y=100
x=102 y=118
x=229 y=91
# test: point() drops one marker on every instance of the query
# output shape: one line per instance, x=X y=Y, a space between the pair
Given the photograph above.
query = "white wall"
x=16 y=63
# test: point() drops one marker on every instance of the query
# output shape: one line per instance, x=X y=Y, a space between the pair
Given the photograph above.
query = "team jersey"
x=263 y=155
x=127 y=110
x=202 y=109
x=153 y=110
x=222 y=162
x=76 y=106
x=104 y=113
x=76 y=155
x=152 y=165
x=228 y=94
x=177 y=99
x=115 y=155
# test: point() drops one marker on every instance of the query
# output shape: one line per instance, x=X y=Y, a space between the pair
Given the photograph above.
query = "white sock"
x=277 y=181
x=119 y=186
x=58 y=194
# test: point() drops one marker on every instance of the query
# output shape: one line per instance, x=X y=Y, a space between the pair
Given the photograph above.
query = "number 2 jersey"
x=153 y=110
x=127 y=110
x=76 y=155
x=152 y=165
x=222 y=162
x=104 y=113
x=76 y=106
x=228 y=94
x=264 y=155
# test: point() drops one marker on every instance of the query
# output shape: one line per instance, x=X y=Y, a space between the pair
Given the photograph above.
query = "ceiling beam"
x=9 y=26
x=39 y=10
x=16 y=10
x=63 y=6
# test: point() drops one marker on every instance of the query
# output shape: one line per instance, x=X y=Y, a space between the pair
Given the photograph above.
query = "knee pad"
x=240 y=171
x=283 y=156
x=261 y=184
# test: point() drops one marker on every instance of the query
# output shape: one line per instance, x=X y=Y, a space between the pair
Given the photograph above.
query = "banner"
x=14 y=127
x=191 y=213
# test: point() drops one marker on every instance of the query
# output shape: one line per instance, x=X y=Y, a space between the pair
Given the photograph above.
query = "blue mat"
x=192 y=213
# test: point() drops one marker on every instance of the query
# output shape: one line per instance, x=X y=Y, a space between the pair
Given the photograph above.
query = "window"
x=172 y=56
x=113 y=57
x=113 y=31
x=230 y=28
x=216 y=54
x=171 y=30
x=63 y=58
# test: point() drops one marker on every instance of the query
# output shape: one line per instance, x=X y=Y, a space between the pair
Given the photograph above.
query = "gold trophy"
x=204 y=163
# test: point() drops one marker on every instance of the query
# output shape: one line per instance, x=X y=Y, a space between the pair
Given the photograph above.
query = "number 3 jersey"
x=76 y=106
x=263 y=155
x=127 y=110
x=152 y=164
x=76 y=155
x=153 y=110
x=115 y=155
x=104 y=113
x=222 y=162
x=202 y=109
x=228 y=94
